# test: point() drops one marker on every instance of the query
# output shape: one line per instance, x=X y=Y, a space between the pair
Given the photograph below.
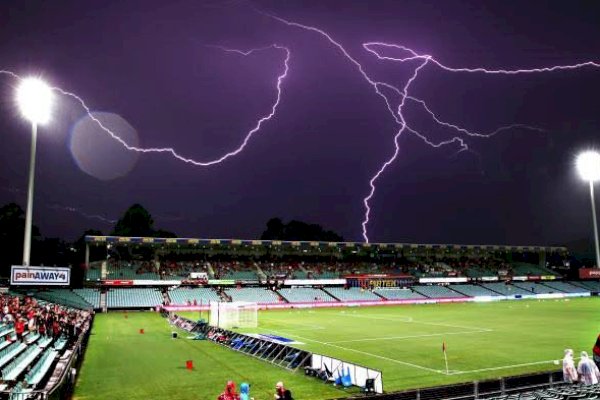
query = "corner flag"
x=445 y=356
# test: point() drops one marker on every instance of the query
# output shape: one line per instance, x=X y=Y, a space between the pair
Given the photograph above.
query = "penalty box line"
x=365 y=353
x=411 y=321
x=408 y=337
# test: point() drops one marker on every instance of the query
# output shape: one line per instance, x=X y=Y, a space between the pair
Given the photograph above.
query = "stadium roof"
x=311 y=244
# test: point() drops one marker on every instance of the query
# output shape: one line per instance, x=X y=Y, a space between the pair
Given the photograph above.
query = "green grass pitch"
x=484 y=340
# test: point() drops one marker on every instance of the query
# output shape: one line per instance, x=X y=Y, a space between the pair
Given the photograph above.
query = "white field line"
x=307 y=327
x=365 y=353
x=502 y=367
x=408 y=337
x=411 y=321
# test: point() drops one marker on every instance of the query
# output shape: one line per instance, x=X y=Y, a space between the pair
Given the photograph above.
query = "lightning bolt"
x=280 y=79
x=398 y=114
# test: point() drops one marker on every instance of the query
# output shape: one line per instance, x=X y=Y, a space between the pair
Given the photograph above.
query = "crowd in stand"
x=27 y=314
x=447 y=266
x=181 y=268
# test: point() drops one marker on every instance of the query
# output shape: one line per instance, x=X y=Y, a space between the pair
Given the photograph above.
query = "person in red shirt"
x=19 y=329
x=596 y=352
x=229 y=393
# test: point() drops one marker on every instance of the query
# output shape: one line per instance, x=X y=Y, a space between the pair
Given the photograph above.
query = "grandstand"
x=506 y=289
x=472 y=290
x=254 y=295
x=305 y=295
x=187 y=295
x=133 y=298
x=437 y=292
x=399 y=294
x=352 y=294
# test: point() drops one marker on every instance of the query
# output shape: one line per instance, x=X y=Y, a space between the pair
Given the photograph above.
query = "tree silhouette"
x=298 y=230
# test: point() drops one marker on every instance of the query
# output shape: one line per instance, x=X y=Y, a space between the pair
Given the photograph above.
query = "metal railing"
x=478 y=389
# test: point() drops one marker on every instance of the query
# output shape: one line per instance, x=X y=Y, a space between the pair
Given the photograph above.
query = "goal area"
x=237 y=314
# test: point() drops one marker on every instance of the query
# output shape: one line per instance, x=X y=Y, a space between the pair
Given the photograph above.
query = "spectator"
x=596 y=352
x=569 y=371
x=588 y=371
x=245 y=392
x=281 y=393
x=229 y=393
x=19 y=328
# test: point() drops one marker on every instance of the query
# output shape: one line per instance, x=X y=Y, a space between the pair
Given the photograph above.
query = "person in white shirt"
x=588 y=371
x=569 y=371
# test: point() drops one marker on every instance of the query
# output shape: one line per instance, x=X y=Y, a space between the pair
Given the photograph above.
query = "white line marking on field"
x=365 y=353
x=412 y=321
x=502 y=367
x=308 y=327
x=408 y=337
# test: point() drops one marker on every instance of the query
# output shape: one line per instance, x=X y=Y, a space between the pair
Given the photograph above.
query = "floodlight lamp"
x=34 y=98
x=588 y=165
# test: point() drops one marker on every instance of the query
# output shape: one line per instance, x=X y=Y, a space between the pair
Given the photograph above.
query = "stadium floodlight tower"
x=588 y=165
x=34 y=98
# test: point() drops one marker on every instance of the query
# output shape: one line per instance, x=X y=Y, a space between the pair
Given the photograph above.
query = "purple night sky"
x=150 y=71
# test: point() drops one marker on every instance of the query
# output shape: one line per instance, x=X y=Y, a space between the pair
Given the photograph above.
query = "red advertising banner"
x=589 y=273
x=116 y=282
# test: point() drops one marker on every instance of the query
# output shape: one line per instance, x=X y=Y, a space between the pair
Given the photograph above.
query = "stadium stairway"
x=103 y=301
x=211 y=271
x=260 y=273
x=329 y=293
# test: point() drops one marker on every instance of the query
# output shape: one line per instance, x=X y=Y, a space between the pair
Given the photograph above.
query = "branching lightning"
x=172 y=151
x=396 y=108
x=398 y=114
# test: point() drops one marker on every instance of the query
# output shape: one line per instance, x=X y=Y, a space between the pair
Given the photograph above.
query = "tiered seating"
x=92 y=296
x=504 y=289
x=32 y=338
x=564 y=287
x=437 y=292
x=352 y=294
x=399 y=294
x=256 y=295
x=12 y=371
x=473 y=290
x=124 y=270
x=182 y=295
x=46 y=340
x=8 y=353
x=19 y=392
x=534 y=288
x=240 y=275
x=521 y=269
x=93 y=274
x=41 y=367
x=128 y=298
x=305 y=295
x=60 y=343
x=592 y=286
x=579 y=392
x=64 y=296
x=235 y=270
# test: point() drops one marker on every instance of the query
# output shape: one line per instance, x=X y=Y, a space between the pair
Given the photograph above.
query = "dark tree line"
x=298 y=230
x=135 y=221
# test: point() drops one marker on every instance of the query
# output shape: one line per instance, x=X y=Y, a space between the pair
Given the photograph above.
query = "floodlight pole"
x=595 y=224
x=29 y=211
